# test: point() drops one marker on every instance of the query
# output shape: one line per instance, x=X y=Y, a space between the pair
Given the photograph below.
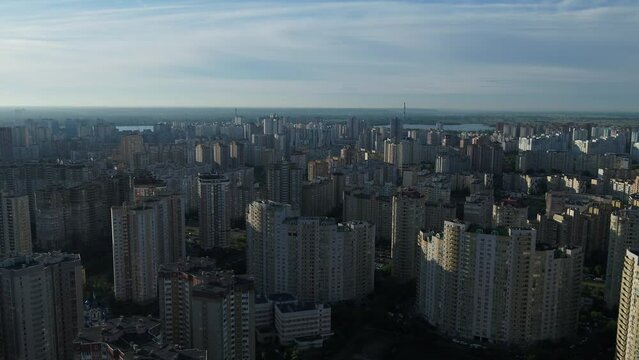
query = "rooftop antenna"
x=404 y=111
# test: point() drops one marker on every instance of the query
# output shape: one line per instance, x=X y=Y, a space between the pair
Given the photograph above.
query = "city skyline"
x=226 y=180
x=465 y=55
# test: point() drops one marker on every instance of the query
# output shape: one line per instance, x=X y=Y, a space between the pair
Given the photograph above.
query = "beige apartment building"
x=498 y=285
x=628 y=320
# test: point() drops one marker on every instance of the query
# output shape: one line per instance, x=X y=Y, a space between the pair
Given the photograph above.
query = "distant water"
x=134 y=127
x=457 y=127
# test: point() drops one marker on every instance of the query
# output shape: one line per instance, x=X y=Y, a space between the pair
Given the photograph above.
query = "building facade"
x=136 y=257
x=498 y=285
x=175 y=283
x=40 y=306
x=214 y=219
x=223 y=317
x=407 y=220
x=15 y=226
x=314 y=258
x=284 y=183
x=624 y=235
x=628 y=322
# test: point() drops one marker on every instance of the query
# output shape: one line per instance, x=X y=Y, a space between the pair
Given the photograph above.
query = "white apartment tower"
x=624 y=235
x=498 y=285
x=628 y=321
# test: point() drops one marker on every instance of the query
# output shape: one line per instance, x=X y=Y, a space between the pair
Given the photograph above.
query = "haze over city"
x=319 y=180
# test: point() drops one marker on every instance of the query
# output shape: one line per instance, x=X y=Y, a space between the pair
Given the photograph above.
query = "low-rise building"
x=303 y=324
x=281 y=316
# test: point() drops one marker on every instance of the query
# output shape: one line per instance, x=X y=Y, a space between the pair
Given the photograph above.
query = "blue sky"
x=578 y=55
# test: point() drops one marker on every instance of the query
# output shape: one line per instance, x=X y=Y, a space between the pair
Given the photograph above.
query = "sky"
x=547 y=55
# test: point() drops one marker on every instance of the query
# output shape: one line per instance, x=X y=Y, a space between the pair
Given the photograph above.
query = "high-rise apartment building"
x=70 y=216
x=318 y=168
x=359 y=258
x=628 y=321
x=624 y=235
x=130 y=147
x=407 y=220
x=146 y=187
x=238 y=153
x=171 y=243
x=266 y=239
x=40 y=306
x=313 y=258
x=6 y=145
x=435 y=213
x=241 y=192
x=15 y=226
x=221 y=156
x=371 y=205
x=214 y=219
x=498 y=285
x=317 y=197
x=396 y=129
x=223 y=317
x=203 y=154
x=284 y=183
x=509 y=213
x=478 y=208
x=175 y=282
x=144 y=236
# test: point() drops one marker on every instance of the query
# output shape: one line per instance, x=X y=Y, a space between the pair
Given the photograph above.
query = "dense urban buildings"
x=129 y=338
x=246 y=235
x=237 y=180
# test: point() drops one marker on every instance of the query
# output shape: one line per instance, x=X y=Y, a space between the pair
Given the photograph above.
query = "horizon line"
x=408 y=108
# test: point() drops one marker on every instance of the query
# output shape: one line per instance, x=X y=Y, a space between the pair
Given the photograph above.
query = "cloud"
x=464 y=55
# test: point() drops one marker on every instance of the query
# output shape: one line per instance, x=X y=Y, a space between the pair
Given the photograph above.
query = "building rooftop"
x=191 y=265
x=212 y=177
x=301 y=306
x=220 y=283
x=21 y=262
x=281 y=297
x=136 y=338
